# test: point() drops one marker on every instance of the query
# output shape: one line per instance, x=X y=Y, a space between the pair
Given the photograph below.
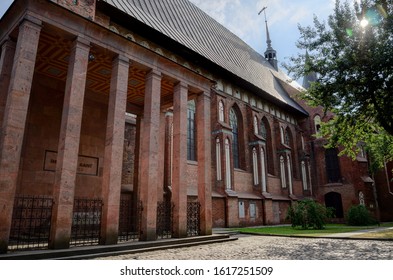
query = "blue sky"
x=283 y=16
x=241 y=17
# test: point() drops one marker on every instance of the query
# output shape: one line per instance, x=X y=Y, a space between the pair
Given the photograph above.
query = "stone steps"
x=89 y=252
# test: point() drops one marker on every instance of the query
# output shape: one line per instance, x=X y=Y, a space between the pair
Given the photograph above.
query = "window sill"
x=240 y=170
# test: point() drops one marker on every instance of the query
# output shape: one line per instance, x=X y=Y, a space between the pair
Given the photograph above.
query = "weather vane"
x=263 y=10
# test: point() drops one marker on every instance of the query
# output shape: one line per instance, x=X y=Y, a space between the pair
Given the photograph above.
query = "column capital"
x=153 y=73
x=122 y=59
x=32 y=21
x=81 y=42
x=181 y=84
x=204 y=94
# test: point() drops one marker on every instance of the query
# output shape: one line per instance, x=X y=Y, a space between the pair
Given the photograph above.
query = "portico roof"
x=186 y=24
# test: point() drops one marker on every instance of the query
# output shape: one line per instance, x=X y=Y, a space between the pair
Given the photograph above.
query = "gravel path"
x=249 y=247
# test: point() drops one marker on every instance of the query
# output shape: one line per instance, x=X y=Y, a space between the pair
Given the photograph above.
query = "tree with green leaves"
x=352 y=57
x=309 y=214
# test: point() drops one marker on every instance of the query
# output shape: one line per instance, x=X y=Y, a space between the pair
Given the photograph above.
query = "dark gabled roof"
x=189 y=26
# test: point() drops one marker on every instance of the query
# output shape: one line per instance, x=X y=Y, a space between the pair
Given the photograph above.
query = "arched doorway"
x=334 y=200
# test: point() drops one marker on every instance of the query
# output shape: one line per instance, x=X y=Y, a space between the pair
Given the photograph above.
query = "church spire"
x=310 y=77
x=270 y=53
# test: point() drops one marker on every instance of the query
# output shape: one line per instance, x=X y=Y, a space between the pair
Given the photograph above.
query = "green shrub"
x=309 y=214
x=358 y=215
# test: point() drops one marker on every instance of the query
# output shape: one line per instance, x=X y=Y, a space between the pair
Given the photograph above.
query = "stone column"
x=204 y=162
x=114 y=145
x=6 y=62
x=149 y=158
x=68 y=149
x=14 y=121
x=179 y=180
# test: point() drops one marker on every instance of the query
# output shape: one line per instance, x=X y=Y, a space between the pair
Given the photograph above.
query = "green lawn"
x=288 y=230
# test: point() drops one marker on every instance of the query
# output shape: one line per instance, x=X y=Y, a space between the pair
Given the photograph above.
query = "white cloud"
x=216 y=9
x=240 y=17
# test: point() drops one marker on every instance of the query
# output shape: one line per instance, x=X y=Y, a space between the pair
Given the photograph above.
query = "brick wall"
x=42 y=136
x=248 y=220
x=218 y=212
x=85 y=8
x=384 y=186
x=243 y=181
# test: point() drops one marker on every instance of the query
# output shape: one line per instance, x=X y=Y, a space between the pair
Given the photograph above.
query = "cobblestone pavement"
x=249 y=247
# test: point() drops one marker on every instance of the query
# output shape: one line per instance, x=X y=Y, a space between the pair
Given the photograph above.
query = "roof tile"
x=185 y=23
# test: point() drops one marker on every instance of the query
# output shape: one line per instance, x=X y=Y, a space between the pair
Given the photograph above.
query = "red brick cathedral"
x=139 y=120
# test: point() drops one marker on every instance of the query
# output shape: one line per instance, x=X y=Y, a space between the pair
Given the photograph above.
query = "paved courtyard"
x=249 y=247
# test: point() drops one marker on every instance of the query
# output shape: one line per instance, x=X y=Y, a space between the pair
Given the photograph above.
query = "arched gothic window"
x=255 y=166
x=304 y=175
x=263 y=171
x=221 y=111
x=289 y=166
x=228 y=181
x=317 y=125
x=218 y=159
x=234 y=123
x=262 y=130
x=266 y=134
x=287 y=137
x=191 y=131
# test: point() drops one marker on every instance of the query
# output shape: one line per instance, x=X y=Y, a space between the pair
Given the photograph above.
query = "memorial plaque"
x=86 y=165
